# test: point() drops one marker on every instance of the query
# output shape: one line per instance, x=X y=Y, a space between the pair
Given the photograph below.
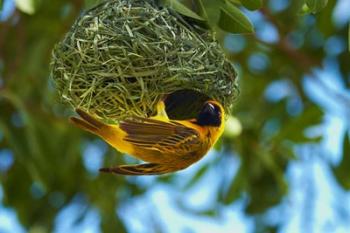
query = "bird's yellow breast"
x=208 y=134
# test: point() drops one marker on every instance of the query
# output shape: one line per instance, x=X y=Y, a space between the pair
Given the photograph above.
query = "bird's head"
x=211 y=114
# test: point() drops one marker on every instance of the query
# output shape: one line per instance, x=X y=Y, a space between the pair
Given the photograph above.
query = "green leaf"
x=316 y=5
x=182 y=9
x=238 y=183
x=210 y=10
x=236 y=2
x=252 y=4
x=341 y=172
x=91 y=3
x=249 y=4
x=233 y=20
x=199 y=174
x=294 y=129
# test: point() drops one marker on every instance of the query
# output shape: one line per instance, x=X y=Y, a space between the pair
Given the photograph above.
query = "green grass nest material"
x=121 y=57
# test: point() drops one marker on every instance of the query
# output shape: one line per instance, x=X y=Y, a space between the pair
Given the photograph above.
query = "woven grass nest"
x=122 y=56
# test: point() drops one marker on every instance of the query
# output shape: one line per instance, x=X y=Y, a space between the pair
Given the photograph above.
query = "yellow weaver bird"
x=167 y=145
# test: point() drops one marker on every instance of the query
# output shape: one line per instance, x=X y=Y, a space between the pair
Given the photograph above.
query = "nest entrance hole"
x=184 y=104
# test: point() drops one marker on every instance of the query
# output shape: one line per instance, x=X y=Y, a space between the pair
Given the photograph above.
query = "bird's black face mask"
x=210 y=115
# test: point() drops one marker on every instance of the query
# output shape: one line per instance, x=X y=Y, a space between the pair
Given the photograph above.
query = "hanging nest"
x=122 y=56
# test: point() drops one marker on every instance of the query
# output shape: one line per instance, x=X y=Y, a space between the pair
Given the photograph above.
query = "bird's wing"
x=87 y=122
x=151 y=134
x=140 y=169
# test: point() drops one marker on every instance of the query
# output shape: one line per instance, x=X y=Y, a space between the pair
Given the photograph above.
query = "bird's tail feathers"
x=87 y=122
x=140 y=169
